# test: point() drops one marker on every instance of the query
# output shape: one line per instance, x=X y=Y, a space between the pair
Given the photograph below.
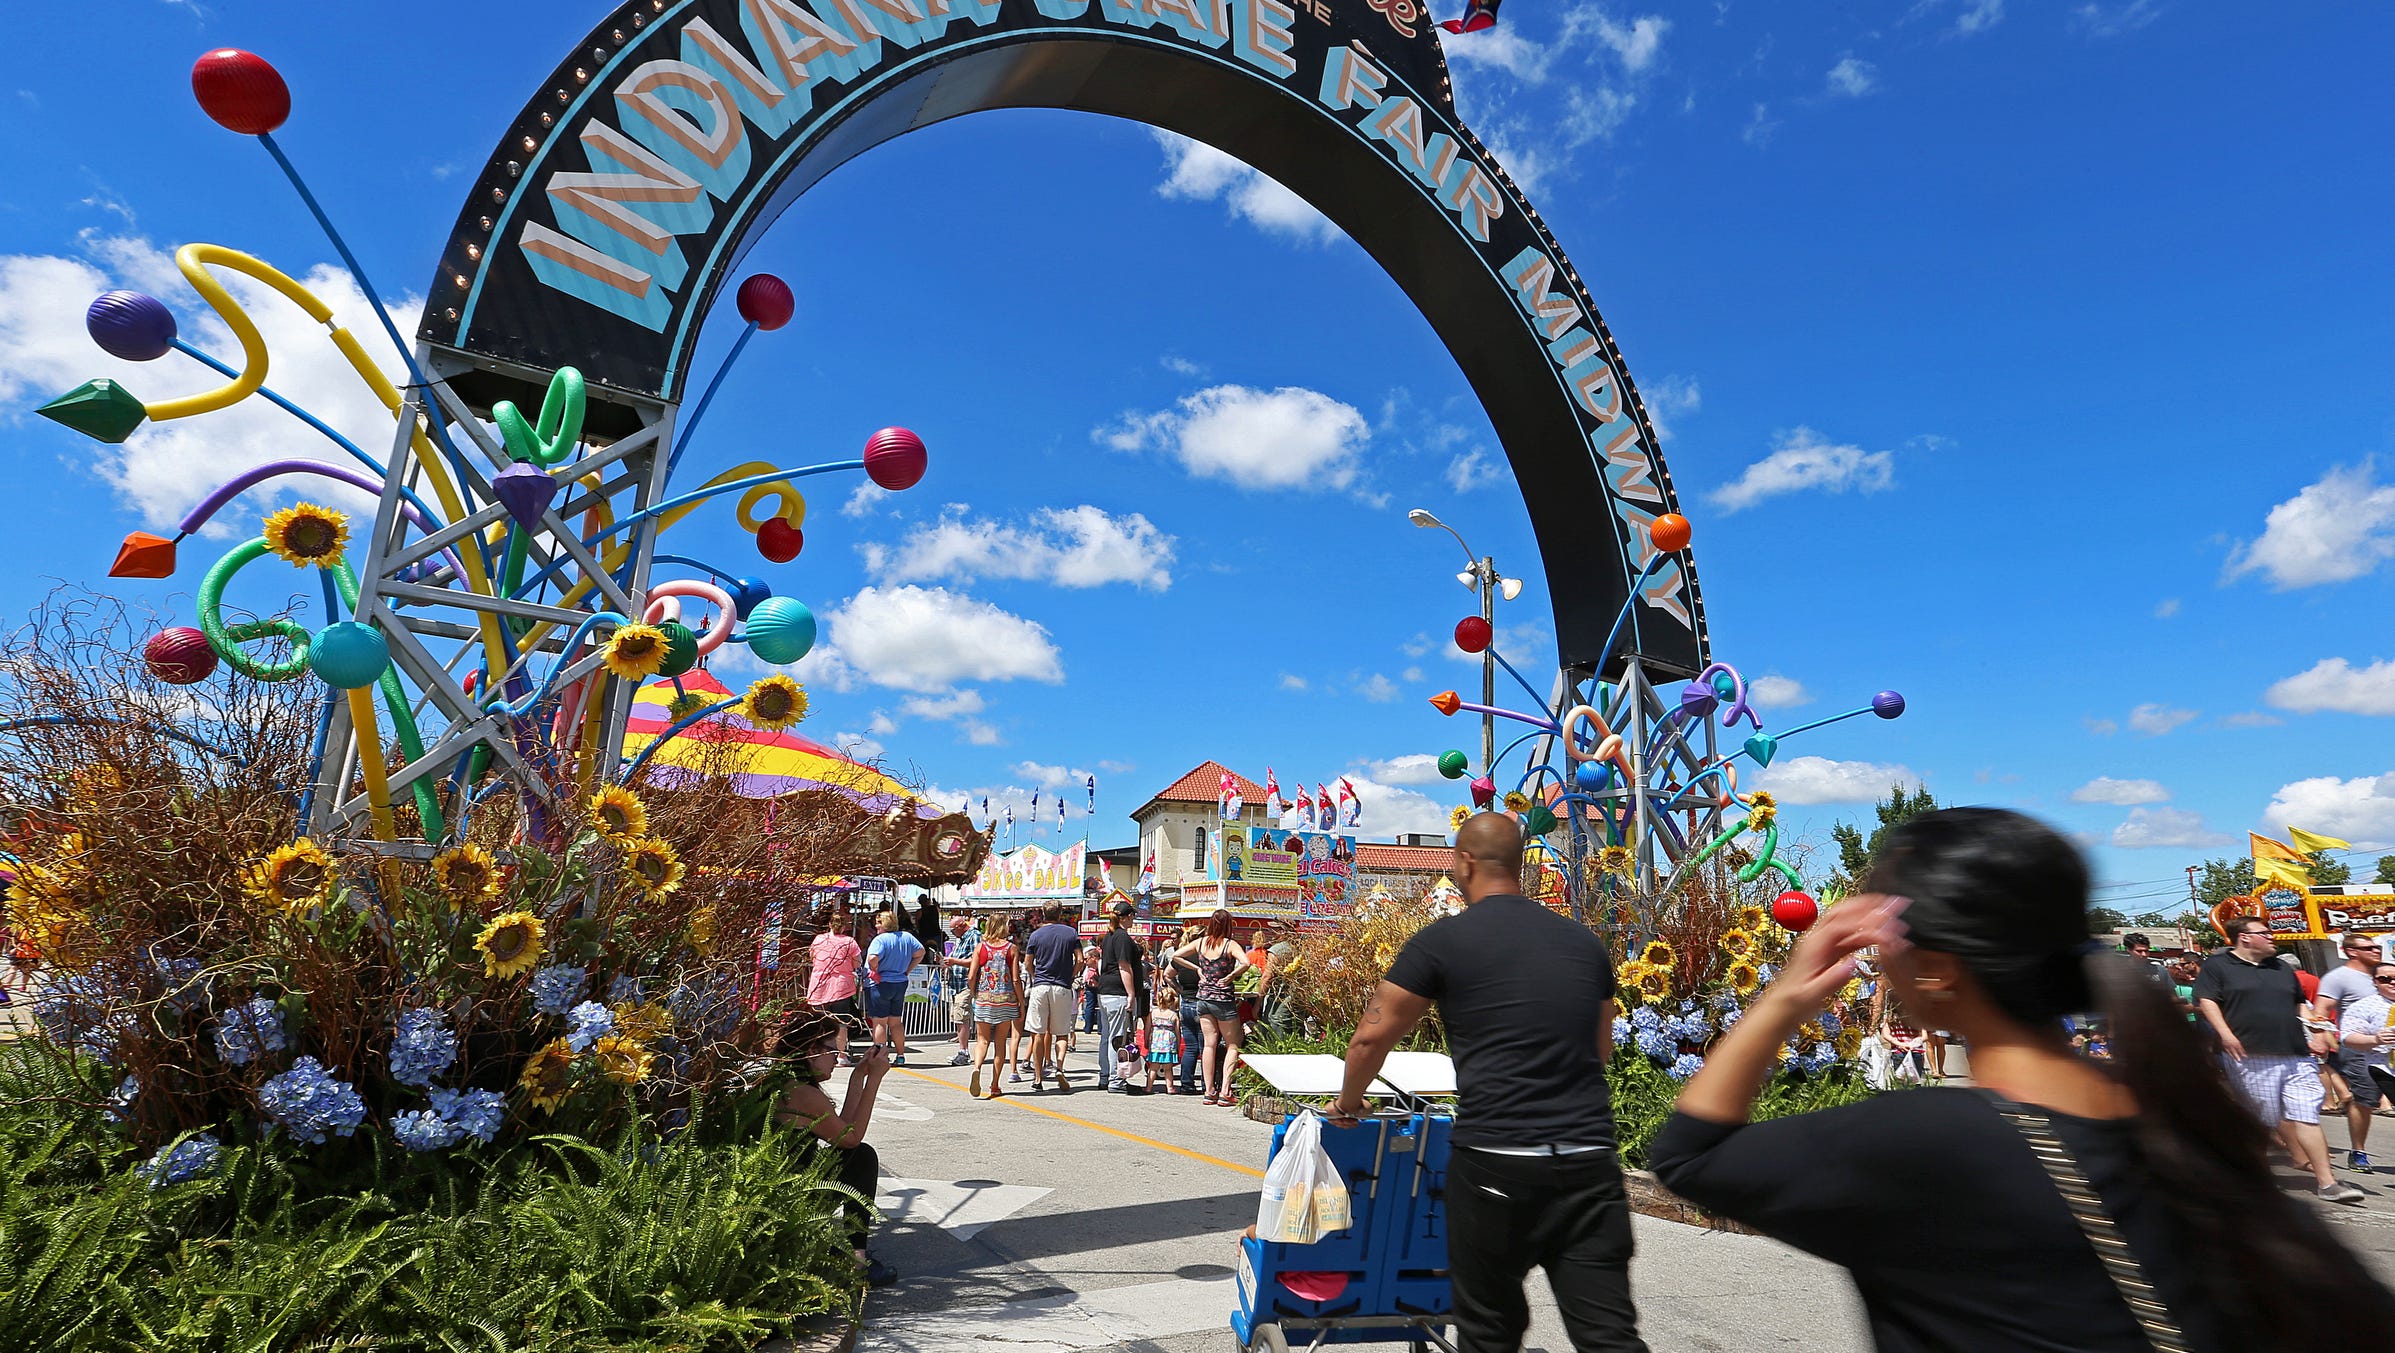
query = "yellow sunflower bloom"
x=775 y=703
x=622 y=1060
x=1849 y=1041
x=465 y=875
x=636 y=652
x=1737 y=943
x=1811 y=1032
x=1852 y=992
x=1517 y=802
x=292 y=878
x=1615 y=860
x=304 y=534
x=1763 y=798
x=619 y=814
x=549 y=1077
x=1744 y=978
x=700 y=929
x=653 y=866
x=1457 y=818
x=1658 y=953
x=642 y=1023
x=686 y=704
x=510 y=944
x=1748 y=917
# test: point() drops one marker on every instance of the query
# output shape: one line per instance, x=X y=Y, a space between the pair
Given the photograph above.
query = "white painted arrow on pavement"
x=1061 y=1324
x=962 y=1210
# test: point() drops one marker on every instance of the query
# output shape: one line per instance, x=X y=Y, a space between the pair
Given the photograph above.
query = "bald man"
x=1526 y=997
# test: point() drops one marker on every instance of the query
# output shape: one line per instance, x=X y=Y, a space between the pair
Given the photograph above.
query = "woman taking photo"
x=1217 y=959
x=813 y=1039
x=993 y=984
x=2064 y=1204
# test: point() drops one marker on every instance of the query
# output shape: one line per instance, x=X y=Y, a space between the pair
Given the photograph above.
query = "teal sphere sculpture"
x=348 y=655
x=681 y=649
x=780 y=630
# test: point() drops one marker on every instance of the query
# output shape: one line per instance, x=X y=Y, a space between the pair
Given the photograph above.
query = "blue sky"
x=2031 y=360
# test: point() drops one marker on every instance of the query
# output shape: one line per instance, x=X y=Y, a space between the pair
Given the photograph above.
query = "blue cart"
x=1382 y=1280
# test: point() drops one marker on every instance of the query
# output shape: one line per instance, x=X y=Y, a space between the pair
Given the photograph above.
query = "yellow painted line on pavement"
x=1013 y=1102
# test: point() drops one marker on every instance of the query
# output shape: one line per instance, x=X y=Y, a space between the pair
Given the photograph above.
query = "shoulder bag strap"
x=2088 y=1210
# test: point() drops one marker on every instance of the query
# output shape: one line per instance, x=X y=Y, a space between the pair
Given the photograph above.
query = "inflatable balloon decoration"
x=547 y=540
x=1620 y=766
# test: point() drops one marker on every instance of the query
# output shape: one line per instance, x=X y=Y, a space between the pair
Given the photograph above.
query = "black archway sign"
x=625 y=193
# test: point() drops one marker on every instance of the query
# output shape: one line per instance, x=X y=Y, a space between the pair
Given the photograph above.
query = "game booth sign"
x=1030 y=876
x=1272 y=874
x=2311 y=913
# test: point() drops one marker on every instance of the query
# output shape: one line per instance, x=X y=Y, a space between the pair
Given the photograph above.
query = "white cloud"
x=2120 y=793
x=941 y=708
x=2149 y=828
x=881 y=725
x=1378 y=689
x=2252 y=719
x=1200 y=173
x=2333 y=531
x=1852 y=78
x=1391 y=811
x=1179 y=365
x=1051 y=777
x=1804 y=459
x=2361 y=810
x=2155 y=718
x=858 y=746
x=1071 y=547
x=1818 y=779
x=1413 y=768
x=1475 y=469
x=164 y=469
x=927 y=639
x=1258 y=439
x=1411 y=675
x=1636 y=43
x=2335 y=685
x=1760 y=127
x=863 y=499
x=1503 y=48
x=1978 y=16
x=1292 y=682
x=1117 y=767
x=979 y=734
x=1778 y=692
x=1668 y=399
x=2110 y=21
x=1596 y=113
x=2169 y=607
x=2102 y=728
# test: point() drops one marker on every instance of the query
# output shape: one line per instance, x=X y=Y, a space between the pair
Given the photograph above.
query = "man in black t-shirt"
x=2257 y=1007
x=1055 y=950
x=1119 y=988
x=1526 y=997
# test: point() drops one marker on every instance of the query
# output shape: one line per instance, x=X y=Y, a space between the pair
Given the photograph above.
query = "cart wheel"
x=1267 y=1339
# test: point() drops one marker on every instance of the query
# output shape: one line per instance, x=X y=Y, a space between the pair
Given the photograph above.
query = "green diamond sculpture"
x=101 y=409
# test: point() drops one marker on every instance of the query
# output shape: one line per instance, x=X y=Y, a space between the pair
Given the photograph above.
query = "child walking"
x=1164 y=1037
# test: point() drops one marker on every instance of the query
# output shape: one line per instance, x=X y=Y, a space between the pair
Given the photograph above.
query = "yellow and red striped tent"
x=761 y=763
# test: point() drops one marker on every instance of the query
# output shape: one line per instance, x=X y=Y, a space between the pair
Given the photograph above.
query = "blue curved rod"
x=682 y=443
x=85 y=720
x=1535 y=698
x=518 y=709
x=1605 y=654
x=688 y=562
x=696 y=495
x=662 y=738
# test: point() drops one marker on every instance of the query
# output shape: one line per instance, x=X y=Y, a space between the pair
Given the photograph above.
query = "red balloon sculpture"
x=1472 y=634
x=895 y=458
x=1796 y=911
x=241 y=91
x=179 y=656
x=779 y=541
x=765 y=301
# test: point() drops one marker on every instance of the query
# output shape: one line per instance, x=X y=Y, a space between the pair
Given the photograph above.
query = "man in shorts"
x=2257 y=1008
x=2343 y=986
x=1055 y=950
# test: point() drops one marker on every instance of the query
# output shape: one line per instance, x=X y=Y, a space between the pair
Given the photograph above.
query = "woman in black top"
x=1955 y=1234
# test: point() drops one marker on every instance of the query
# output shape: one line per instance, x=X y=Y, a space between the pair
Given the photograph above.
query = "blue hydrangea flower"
x=1623 y=1031
x=1830 y=1023
x=477 y=1113
x=1730 y=1018
x=623 y=989
x=1685 y=1065
x=424 y=1130
x=120 y=1100
x=586 y=1024
x=185 y=991
x=1694 y=1027
x=556 y=988
x=1767 y=972
x=710 y=1009
x=422 y=1047
x=1657 y=1043
x=1824 y=1056
x=81 y=1013
x=308 y=1101
x=1644 y=1018
x=248 y=1031
x=187 y=1159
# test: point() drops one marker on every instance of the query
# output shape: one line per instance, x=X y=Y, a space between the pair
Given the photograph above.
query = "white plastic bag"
x=1304 y=1198
x=1874 y=1057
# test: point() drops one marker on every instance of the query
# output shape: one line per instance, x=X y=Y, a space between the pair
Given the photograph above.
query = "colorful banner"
x=1030 y=874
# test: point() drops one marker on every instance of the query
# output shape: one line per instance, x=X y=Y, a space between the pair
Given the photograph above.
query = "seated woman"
x=814 y=1039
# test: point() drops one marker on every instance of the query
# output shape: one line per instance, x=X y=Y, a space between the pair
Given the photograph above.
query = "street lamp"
x=1480 y=574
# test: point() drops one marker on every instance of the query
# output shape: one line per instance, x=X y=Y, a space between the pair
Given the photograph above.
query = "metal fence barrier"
x=927 y=1013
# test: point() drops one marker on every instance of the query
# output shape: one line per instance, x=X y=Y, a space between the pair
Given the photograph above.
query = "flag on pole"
x=1147 y=874
x=1272 y=795
x=1035 y=805
x=1093 y=796
x=1351 y=808
x=985 y=808
x=1326 y=811
x=2311 y=844
x=2278 y=862
x=1060 y=810
x=1233 y=801
x=1305 y=807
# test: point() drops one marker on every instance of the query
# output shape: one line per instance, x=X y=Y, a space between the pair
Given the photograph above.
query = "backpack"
x=997 y=973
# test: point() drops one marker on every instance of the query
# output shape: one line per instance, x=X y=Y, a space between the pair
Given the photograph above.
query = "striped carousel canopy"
x=762 y=763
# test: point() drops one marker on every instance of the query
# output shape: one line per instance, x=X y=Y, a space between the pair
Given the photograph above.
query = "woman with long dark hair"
x=2062 y=1204
x=1217 y=959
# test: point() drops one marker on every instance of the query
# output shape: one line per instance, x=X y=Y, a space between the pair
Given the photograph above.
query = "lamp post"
x=1480 y=574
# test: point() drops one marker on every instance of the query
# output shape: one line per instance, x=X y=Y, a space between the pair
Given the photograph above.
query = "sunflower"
x=1615 y=860
x=1748 y=917
x=699 y=929
x=1852 y=992
x=775 y=703
x=510 y=944
x=466 y=875
x=653 y=866
x=621 y=1059
x=1849 y=1040
x=1630 y=971
x=304 y=534
x=1654 y=984
x=1657 y=953
x=1517 y=802
x=1811 y=1032
x=685 y=705
x=1744 y=978
x=642 y=1023
x=293 y=878
x=549 y=1077
x=1737 y=944
x=636 y=652
x=619 y=814
x=1457 y=818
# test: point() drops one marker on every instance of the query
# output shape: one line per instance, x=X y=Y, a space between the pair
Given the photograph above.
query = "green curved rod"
x=227 y=639
x=411 y=741
x=1716 y=844
x=560 y=426
x=1771 y=847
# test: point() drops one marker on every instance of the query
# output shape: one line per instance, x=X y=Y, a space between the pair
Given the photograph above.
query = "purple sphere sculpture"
x=1887 y=704
x=131 y=325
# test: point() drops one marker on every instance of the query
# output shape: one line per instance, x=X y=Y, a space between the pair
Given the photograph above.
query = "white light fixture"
x=1421 y=517
x=1468 y=578
x=1510 y=588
